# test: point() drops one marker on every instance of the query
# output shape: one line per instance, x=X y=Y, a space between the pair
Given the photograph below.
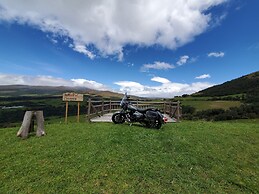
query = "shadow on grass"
x=141 y=126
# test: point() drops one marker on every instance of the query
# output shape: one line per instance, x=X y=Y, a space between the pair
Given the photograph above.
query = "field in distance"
x=205 y=103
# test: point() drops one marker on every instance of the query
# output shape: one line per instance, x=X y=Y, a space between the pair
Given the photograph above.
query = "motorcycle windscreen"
x=124 y=100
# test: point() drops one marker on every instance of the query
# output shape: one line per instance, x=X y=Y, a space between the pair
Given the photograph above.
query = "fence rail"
x=98 y=108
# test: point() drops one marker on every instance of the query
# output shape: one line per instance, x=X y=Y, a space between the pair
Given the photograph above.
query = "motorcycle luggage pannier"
x=151 y=115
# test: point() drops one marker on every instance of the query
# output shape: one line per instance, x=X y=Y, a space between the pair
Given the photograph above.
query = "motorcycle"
x=150 y=117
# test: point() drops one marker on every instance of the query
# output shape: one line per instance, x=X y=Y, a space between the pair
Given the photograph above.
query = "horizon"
x=118 y=92
x=170 y=49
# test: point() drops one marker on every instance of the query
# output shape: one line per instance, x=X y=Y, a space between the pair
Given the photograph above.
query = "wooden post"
x=89 y=108
x=171 y=109
x=40 y=123
x=24 y=129
x=110 y=106
x=66 y=112
x=102 y=107
x=178 y=111
x=78 y=111
x=164 y=106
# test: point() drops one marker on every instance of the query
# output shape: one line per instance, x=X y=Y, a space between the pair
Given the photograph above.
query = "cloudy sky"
x=152 y=48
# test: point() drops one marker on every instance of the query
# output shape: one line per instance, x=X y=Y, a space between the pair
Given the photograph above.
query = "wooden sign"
x=73 y=97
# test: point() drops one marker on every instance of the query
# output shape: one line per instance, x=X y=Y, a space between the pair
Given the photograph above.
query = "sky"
x=149 y=48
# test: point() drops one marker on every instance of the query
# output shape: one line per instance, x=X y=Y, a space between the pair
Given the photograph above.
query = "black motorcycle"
x=150 y=117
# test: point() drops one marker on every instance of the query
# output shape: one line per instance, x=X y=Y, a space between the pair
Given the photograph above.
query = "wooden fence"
x=98 y=108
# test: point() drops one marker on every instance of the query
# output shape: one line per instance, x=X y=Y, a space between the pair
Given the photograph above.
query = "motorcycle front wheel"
x=117 y=118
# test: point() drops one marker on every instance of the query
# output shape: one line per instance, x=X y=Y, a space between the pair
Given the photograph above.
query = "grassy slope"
x=245 y=84
x=204 y=105
x=106 y=158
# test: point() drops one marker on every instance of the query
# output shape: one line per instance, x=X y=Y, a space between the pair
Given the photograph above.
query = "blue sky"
x=148 y=48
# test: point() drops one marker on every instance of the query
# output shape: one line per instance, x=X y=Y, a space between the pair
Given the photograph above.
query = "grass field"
x=186 y=157
x=205 y=105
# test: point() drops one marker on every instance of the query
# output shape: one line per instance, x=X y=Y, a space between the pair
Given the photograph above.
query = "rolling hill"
x=25 y=90
x=243 y=85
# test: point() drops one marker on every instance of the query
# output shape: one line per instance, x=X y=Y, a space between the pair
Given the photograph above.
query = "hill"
x=235 y=99
x=25 y=90
x=16 y=99
x=243 y=85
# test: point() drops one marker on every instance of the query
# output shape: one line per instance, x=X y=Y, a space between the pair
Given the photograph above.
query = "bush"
x=188 y=109
x=209 y=114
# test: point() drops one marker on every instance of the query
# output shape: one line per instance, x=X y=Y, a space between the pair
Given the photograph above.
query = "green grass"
x=204 y=105
x=186 y=157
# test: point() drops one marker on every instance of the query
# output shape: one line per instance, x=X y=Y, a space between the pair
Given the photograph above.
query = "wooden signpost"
x=73 y=97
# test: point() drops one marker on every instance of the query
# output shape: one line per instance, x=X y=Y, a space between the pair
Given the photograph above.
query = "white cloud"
x=216 y=54
x=89 y=84
x=182 y=60
x=160 y=80
x=41 y=80
x=167 y=89
x=219 y=19
x=130 y=84
x=120 y=56
x=157 y=65
x=164 y=90
x=52 y=39
x=194 y=59
x=82 y=49
x=204 y=76
x=109 y=25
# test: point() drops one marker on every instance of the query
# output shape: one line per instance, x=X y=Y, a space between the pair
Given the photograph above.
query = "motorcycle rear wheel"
x=155 y=124
x=117 y=118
